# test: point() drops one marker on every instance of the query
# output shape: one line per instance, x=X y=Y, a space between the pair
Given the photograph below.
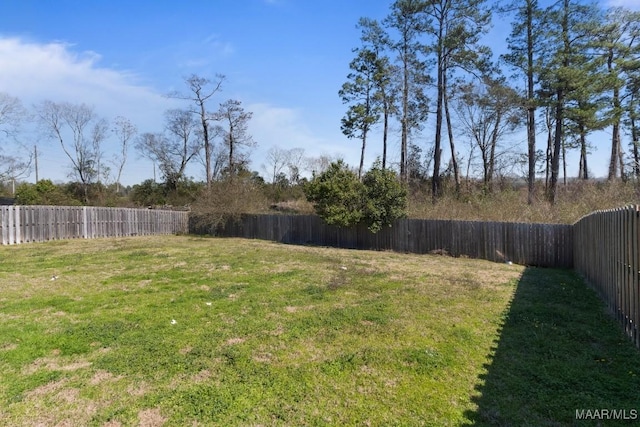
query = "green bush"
x=337 y=195
x=385 y=198
x=44 y=192
x=339 y=198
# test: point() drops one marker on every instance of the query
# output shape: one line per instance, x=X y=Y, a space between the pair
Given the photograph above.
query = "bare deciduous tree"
x=486 y=113
x=124 y=131
x=295 y=164
x=171 y=152
x=277 y=159
x=87 y=132
x=12 y=114
x=201 y=91
x=319 y=164
x=234 y=132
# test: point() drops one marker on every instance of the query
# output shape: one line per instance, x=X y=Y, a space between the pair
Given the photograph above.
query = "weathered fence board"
x=22 y=224
x=546 y=245
x=607 y=255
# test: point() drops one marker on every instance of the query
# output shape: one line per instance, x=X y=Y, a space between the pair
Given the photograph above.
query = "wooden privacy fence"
x=545 y=245
x=607 y=255
x=22 y=224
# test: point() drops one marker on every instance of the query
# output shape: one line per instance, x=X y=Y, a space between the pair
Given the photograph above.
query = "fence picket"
x=494 y=241
x=24 y=224
x=606 y=253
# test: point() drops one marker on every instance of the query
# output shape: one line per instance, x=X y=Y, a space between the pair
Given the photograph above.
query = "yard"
x=179 y=330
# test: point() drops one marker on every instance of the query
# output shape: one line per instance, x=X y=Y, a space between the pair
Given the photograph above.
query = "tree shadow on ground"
x=560 y=359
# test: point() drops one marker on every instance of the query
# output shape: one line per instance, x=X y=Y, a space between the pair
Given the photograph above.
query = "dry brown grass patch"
x=201 y=376
x=151 y=418
x=186 y=350
x=101 y=376
x=138 y=389
x=54 y=364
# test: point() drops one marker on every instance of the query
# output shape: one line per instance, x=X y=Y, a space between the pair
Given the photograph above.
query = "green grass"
x=268 y=334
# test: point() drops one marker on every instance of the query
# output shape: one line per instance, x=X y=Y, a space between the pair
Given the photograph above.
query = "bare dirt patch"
x=8 y=347
x=151 y=418
x=139 y=389
x=46 y=389
x=202 y=376
x=54 y=364
x=233 y=341
x=263 y=357
x=186 y=350
x=100 y=377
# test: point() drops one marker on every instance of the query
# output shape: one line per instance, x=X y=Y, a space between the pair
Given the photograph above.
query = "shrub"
x=227 y=200
x=385 y=198
x=337 y=195
x=340 y=199
x=44 y=192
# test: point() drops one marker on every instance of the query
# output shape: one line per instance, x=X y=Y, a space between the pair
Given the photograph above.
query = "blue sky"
x=285 y=60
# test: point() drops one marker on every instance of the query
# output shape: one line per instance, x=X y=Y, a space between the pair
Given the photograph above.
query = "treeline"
x=218 y=137
x=420 y=77
x=570 y=69
x=204 y=131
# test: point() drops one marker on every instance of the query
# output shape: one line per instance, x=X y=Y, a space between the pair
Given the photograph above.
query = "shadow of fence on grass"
x=559 y=360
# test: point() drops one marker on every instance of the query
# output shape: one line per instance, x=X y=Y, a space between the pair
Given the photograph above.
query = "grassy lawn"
x=200 y=331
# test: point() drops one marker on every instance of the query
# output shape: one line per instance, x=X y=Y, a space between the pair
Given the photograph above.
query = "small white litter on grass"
x=54 y=277
x=173 y=321
x=208 y=303
x=342 y=267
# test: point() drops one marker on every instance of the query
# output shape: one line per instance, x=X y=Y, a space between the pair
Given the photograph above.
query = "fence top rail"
x=91 y=208
x=632 y=207
x=441 y=220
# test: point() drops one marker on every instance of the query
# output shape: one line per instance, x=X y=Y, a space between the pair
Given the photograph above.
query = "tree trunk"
x=207 y=144
x=636 y=152
x=454 y=162
x=557 y=145
x=615 y=132
x=385 y=132
x=584 y=171
x=531 y=109
x=615 y=151
x=492 y=149
x=405 y=113
x=549 y=154
x=485 y=169
x=364 y=143
x=564 y=162
x=231 y=165
x=560 y=95
x=435 y=182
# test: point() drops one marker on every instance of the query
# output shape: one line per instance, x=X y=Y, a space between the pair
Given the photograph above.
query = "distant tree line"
x=217 y=137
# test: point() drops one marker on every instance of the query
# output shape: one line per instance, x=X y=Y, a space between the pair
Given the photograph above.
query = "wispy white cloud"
x=287 y=128
x=219 y=46
x=34 y=72
x=202 y=54
x=55 y=71
x=280 y=126
x=629 y=4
